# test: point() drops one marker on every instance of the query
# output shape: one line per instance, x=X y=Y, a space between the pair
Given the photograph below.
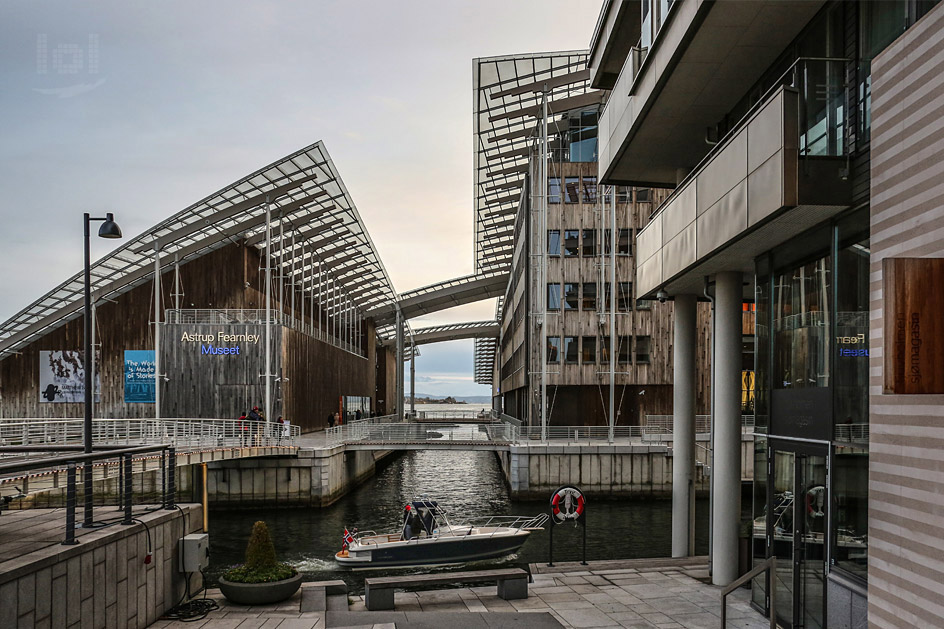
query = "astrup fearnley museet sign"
x=210 y=343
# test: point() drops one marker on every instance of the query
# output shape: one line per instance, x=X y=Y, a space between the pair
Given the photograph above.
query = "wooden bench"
x=512 y=584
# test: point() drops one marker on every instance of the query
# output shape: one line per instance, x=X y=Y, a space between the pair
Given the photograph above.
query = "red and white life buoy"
x=567 y=503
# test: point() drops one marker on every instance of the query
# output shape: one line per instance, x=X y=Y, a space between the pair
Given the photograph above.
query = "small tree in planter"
x=262 y=579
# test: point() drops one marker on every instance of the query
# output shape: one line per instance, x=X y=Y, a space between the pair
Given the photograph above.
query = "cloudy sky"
x=157 y=104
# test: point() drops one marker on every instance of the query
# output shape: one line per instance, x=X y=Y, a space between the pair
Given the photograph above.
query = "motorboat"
x=427 y=537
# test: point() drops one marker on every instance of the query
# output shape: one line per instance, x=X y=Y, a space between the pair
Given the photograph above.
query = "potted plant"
x=261 y=580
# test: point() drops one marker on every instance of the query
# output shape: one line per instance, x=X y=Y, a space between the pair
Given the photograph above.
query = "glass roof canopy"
x=507 y=109
x=314 y=224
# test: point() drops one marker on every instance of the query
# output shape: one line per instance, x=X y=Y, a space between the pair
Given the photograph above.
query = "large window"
x=589 y=189
x=553 y=242
x=572 y=189
x=642 y=350
x=801 y=326
x=571 y=242
x=583 y=137
x=553 y=349
x=624 y=357
x=624 y=245
x=571 y=296
x=570 y=349
x=589 y=296
x=850 y=517
x=589 y=243
x=624 y=299
x=851 y=382
x=553 y=190
x=553 y=297
x=589 y=350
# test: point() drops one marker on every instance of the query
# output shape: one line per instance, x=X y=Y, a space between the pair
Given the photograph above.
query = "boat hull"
x=436 y=551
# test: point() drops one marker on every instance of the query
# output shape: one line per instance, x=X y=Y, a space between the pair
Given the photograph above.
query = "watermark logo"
x=71 y=69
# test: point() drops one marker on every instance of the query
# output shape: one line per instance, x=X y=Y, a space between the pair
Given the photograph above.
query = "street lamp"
x=108 y=229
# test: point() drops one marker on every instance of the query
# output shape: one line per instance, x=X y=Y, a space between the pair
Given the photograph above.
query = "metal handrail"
x=768 y=566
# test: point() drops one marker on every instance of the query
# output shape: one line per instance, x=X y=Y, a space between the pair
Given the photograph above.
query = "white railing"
x=856 y=433
x=181 y=433
x=415 y=432
x=459 y=414
x=662 y=424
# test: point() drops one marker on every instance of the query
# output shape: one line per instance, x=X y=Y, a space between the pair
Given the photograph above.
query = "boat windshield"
x=422 y=517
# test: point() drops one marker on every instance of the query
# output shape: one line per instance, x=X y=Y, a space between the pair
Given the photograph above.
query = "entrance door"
x=799 y=536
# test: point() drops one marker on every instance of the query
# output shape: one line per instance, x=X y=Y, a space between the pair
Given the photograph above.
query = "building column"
x=683 y=425
x=726 y=362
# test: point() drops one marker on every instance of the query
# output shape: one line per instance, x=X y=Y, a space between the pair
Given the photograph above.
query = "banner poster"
x=62 y=377
x=139 y=376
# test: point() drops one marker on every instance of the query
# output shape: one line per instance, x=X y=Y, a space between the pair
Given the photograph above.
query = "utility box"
x=194 y=552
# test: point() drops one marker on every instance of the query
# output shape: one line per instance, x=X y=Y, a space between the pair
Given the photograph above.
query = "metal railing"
x=461 y=414
x=52 y=466
x=181 y=433
x=768 y=567
x=258 y=316
x=856 y=433
x=664 y=423
x=414 y=432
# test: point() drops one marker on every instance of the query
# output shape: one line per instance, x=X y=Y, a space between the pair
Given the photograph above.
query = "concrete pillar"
x=683 y=433
x=726 y=362
x=400 y=356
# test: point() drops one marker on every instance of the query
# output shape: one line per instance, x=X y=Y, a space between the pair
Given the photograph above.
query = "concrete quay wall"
x=315 y=477
x=618 y=471
x=103 y=581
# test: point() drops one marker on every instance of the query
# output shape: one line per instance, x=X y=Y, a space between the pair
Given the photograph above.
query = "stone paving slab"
x=666 y=597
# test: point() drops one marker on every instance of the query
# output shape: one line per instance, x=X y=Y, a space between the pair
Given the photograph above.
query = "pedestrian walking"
x=331 y=420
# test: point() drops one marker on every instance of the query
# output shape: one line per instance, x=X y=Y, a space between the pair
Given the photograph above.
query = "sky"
x=143 y=108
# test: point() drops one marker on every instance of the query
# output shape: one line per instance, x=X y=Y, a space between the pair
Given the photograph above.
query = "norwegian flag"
x=348 y=538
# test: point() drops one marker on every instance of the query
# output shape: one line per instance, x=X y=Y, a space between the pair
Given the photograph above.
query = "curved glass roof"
x=314 y=224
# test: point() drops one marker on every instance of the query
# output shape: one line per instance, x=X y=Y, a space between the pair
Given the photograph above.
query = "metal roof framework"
x=307 y=199
x=507 y=92
x=452 y=332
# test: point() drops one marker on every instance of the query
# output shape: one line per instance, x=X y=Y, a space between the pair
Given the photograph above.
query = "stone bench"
x=512 y=584
x=317 y=596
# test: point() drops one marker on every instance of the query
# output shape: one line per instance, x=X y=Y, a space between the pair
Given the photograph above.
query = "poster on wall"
x=62 y=377
x=139 y=376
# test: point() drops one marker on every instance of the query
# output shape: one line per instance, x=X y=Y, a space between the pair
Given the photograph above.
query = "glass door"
x=798 y=534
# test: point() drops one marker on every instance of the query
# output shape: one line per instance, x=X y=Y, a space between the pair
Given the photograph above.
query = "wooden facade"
x=314 y=373
x=578 y=391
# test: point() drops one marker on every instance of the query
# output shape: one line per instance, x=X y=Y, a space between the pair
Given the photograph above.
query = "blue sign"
x=139 y=376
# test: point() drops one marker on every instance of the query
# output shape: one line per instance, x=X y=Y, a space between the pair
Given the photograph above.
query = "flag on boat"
x=348 y=538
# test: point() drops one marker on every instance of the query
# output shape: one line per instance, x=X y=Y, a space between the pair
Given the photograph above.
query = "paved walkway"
x=662 y=593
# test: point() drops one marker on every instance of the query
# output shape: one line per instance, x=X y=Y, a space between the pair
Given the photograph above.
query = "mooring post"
x=70 y=507
x=127 y=497
x=171 y=472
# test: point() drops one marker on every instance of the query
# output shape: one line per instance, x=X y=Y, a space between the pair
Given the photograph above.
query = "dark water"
x=467 y=485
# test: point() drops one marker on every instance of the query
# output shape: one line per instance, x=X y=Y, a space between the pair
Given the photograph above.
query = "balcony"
x=782 y=170
x=682 y=78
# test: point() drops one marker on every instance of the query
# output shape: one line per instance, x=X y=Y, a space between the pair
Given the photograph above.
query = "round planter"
x=260 y=593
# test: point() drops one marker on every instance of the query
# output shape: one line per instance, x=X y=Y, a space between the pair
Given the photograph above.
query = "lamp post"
x=109 y=229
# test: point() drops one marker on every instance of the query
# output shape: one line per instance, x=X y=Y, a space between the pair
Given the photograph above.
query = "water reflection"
x=467 y=484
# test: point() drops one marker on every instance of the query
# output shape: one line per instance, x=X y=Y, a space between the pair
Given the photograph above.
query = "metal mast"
x=613 y=347
x=268 y=308
x=543 y=274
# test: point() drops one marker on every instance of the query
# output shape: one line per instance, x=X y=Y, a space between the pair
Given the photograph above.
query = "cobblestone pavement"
x=605 y=594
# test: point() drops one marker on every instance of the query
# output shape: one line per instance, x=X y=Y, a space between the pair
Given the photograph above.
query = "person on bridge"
x=243 y=427
x=358 y=414
x=337 y=419
x=330 y=420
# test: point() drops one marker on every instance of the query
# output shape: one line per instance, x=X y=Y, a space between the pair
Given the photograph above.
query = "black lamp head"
x=109 y=228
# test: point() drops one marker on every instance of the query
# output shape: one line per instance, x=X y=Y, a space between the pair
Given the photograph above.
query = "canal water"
x=467 y=485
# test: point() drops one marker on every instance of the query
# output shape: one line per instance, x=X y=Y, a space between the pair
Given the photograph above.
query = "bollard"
x=163 y=478
x=70 y=507
x=171 y=473
x=121 y=484
x=127 y=465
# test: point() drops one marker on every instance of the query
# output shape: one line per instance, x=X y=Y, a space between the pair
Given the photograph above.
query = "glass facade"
x=570 y=349
x=553 y=349
x=589 y=296
x=588 y=350
x=553 y=242
x=589 y=243
x=553 y=296
x=571 y=296
x=571 y=242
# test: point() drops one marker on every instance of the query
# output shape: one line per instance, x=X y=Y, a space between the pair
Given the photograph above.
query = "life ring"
x=562 y=504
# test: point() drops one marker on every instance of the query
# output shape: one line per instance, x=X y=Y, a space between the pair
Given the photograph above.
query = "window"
x=589 y=352
x=553 y=190
x=624 y=242
x=642 y=350
x=589 y=243
x=801 y=331
x=642 y=195
x=553 y=349
x=553 y=296
x=624 y=194
x=571 y=242
x=850 y=517
x=624 y=355
x=589 y=296
x=571 y=296
x=643 y=304
x=553 y=242
x=570 y=349
x=572 y=189
x=624 y=297
x=604 y=349
x=589 y=189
